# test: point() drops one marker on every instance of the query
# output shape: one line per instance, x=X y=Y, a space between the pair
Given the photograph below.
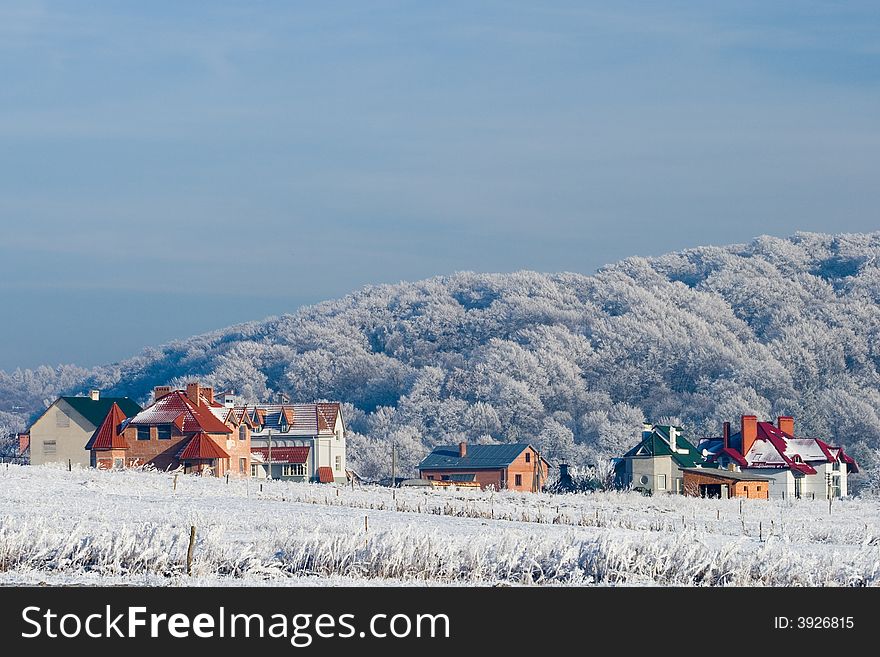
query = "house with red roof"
x=297 y=442
x=796 y=467
x=185 y=429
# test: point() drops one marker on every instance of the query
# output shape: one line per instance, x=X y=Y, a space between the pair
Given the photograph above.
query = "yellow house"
x=60 y=434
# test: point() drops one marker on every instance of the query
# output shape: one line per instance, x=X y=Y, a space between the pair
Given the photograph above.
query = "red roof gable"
x=325 y=475
x=176 y=408
x=283 y=454
x=201 y=446
x=107 y=436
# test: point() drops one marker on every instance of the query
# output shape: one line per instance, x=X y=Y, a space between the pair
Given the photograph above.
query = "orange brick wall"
x=528 y=472
x=747 y=489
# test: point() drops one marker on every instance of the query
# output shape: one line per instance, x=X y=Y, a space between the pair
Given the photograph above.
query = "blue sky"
x=168 y=168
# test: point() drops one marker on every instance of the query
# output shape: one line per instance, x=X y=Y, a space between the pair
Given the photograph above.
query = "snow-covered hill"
x=90 y=526
x=573 y=363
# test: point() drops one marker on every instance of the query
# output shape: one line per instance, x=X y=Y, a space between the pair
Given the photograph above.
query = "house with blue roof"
x=514 y=466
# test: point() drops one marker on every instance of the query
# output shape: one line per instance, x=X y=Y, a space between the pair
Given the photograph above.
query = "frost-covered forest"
x=572 y=363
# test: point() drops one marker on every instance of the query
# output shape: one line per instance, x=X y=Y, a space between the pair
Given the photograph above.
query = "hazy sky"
x=168 y=168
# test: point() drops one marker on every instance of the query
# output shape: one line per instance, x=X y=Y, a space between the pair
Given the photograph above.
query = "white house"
x=307 y=441
x=796 y=467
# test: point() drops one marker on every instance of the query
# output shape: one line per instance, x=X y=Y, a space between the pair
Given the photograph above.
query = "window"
x=293 y=470
x=746 y=490
x=661 y=482
x=143 y=433
x=338 y=463
x=517 y=480
x=242 y=465
x=49 y=447
x=242 y=432
x=797 y=487
x=835 y=466
x=62 y=421
x=163 y=432
x=117 y=464
x=528 y=457
x=254 y=470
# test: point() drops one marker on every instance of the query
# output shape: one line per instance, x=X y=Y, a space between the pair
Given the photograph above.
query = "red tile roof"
x=283 y=454
x=176 y=408
x=201 y=446
x=325 y=475
x=107 y=435
x=786 y=451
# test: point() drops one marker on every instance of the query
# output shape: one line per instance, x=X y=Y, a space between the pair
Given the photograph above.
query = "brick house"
x=795 y=467
x=61 y=432
x=185 y=429
x=516 y=466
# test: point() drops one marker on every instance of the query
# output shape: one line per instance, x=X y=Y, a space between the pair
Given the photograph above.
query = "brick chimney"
x=785 y=424
x=208 y=394
x=94 y=395
x=749 y=432
x=725 y=435
x=462 y=449
x=160 y=391
x=194 y=392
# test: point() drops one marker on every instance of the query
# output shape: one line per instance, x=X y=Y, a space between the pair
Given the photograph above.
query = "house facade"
x=795 y=467
x=61 y=433
x=656 y=463
x=296 y=442
x=724 y=484
x=516 y=466
x=184 y=429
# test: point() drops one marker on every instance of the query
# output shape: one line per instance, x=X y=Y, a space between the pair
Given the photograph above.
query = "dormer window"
x=284 y=427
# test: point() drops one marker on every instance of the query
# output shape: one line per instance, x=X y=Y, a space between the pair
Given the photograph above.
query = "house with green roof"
x=61 y=432
x=656 y=463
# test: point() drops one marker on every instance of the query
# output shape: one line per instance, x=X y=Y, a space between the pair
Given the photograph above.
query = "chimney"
x=462 y=449
x=24 y=441
x=673 y=434
x=229 y=399
x=208 y=392
x=785 y=424
x=725 y=435
x=194 y=392
x=94 y=395
x=749 y=429
x=160 y=391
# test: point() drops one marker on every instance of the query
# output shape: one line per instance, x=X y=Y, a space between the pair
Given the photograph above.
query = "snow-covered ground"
x=92 y=527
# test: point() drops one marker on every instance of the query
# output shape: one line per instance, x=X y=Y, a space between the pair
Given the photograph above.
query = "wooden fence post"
x=190 y=549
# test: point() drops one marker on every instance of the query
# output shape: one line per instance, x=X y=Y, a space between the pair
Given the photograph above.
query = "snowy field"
x=91 y=527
